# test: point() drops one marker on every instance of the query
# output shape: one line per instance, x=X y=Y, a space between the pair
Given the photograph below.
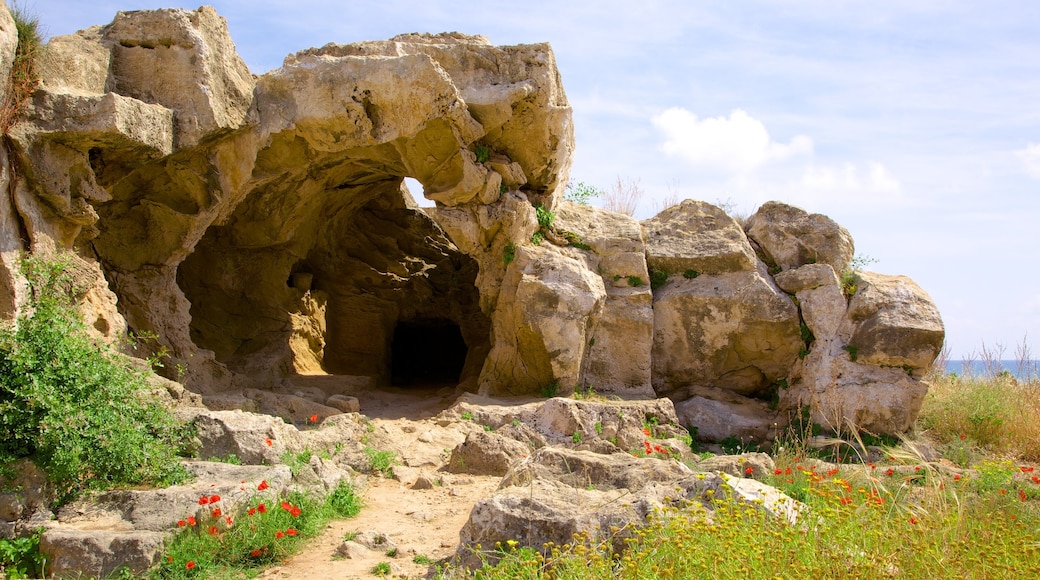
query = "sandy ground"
x=420 y=522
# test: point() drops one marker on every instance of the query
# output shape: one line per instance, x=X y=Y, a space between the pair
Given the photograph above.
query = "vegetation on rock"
x=23 y=78
x=78 y=409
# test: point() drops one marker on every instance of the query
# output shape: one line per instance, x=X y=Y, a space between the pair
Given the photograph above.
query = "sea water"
x=1029 y=370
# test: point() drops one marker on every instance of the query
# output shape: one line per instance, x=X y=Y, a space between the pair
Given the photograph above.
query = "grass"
x=901 y=518
x=381 y=461
x=267 y=530
x=78 y=409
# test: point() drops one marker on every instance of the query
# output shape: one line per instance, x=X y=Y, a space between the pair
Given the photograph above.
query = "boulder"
x=716 y=414
x=894 y=323
x=253 y=438
x=747 y=465
x=791 y=237
x=698 y=238
x=557 y=495
x=617 y=361
x=484 y=453
x=734 y=331
x=74 y=553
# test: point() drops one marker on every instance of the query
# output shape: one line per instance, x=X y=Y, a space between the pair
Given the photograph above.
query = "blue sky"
x=914 y=125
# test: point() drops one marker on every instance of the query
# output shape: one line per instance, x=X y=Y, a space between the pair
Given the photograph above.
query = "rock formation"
x=259 y=227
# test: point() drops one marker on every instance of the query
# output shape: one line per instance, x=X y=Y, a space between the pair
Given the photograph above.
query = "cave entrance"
x=427 y=352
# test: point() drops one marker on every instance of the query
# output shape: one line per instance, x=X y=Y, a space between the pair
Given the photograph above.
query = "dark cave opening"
x=427 y=352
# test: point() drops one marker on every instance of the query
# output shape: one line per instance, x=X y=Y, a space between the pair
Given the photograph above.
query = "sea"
x=1024 y=371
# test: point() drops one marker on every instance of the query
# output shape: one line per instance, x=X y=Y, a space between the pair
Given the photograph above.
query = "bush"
x=78 y=409
x=24 y=77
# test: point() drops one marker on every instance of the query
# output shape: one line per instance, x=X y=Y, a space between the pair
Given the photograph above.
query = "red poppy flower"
x=169 y=559
x=956 y=477
x=646 y=431
x=963 y=436
x=262 y=508
x=913 y=520
x=286 y=505
x=1027 y=469
x=890 y=472
x=314 y=418
x=778 y=471
x=291 y=531
x=181 y=523
x=1036 y=479
x=295 y=511
x=214 y=498
x=278 y=535
x=191 y=520
x=269 y=442
x=204 y=500
x=216 y=512
x=263 y=485
x=749 y=470
x=252 y=511
x=228 y=520
x=212 y=530
x=190 y=565
x=846 y=500
x=787 y=471
x=255 y=554
x=1022 y=494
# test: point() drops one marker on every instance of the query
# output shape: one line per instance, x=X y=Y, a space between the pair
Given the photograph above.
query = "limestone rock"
x=344 y=403
x=203 y=79
x=716 y=414
x=894 y=323
x=747 y=465
x=486 y=453
x=734 y=331
x=245 y=435
x=841 y=393
x=806 y=277
x=81 y=553
x=697 y=236
x=617 y=361
x=792 y=237
x=540 y=327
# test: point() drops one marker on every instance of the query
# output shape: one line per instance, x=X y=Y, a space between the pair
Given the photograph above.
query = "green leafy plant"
x=852 y=350
x=78 y=409
x=509 y=253
x=690 y=274
x=549 y=391
x=466 y=416
x=297 y=460
x=21 y=557
x=598 y=427
x=635 y=281
x=537 y=238
x=483 y=153
x=422 y=560
x=576 y=437
x=381 y=461
x=657 y=278
x=581 y=193
x=344 y=501
x=381 y=569
x=545 y=217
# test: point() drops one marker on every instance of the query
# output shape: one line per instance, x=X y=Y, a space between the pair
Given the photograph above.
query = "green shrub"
x=381 y=461
x=581 y=193
x=690 y=274
x=344 y=501
x=635 y=281
x=657 y=278
x=545 y=217
x=21 y=557
x=509 y=253
x=483 y=153
x=78 y=409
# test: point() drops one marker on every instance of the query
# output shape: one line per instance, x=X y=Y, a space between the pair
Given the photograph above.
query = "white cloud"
x=1030 y=158
x=738 y=143
x=849 y=178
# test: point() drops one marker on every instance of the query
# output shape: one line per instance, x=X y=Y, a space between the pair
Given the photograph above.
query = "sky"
x=915 y=125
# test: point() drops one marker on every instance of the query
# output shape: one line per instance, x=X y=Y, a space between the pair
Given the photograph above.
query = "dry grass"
x=24 y=77
x=623 y=197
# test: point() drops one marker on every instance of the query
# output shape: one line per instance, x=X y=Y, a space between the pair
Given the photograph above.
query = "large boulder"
x=734 y=331
x=894 y=323
x=694 y=238
x=792 y=237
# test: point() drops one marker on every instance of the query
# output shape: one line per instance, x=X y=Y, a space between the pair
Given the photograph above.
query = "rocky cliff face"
x=260 y=228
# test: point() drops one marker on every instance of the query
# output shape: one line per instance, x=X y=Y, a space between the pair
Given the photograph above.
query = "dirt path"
x=419 y=522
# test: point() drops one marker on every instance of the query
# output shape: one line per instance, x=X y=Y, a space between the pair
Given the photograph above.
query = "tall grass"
x=24 y=76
